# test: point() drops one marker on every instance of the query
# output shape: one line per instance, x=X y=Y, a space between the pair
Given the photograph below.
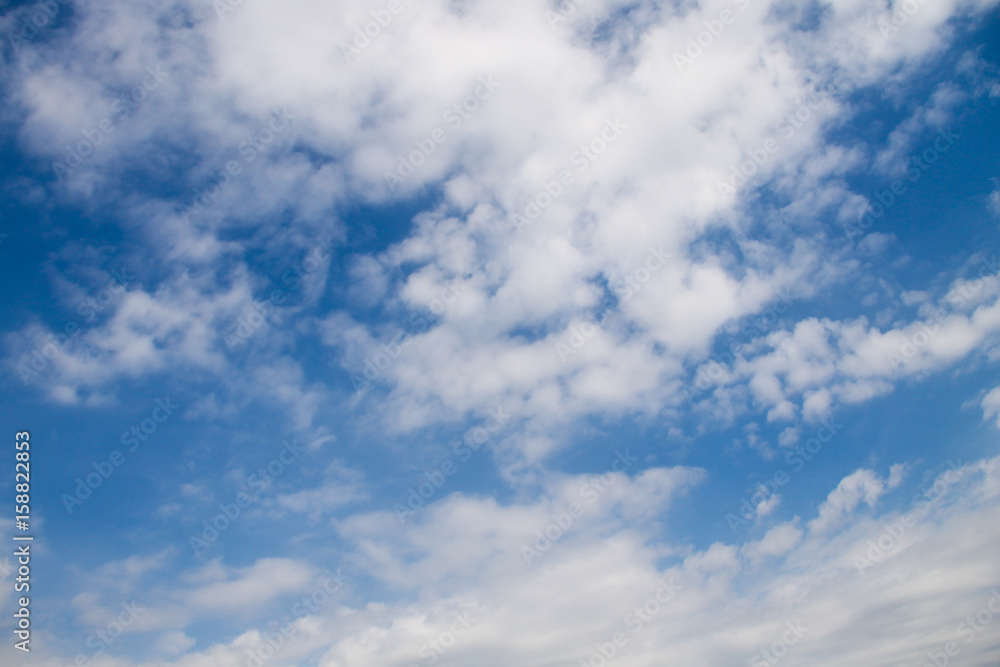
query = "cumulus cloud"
x=632 y=189
x=821 y=363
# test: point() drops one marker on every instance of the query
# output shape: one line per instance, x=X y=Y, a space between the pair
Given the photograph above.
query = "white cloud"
x=174 y=643
x=224 y=77
x=777 y=542
x=464 y=557
x=251 y=587
x=824 y=363
x=341 y=485
x=860 y=486
x=934 y=115
x=991 y=405
x=521 y=294
x=767 y=505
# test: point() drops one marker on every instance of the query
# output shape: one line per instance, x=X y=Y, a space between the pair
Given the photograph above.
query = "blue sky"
x=322 y=326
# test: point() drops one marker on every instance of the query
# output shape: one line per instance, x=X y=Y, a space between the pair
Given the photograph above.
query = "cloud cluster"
x=523 y=294
x=551 y=154
x=474 y=599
